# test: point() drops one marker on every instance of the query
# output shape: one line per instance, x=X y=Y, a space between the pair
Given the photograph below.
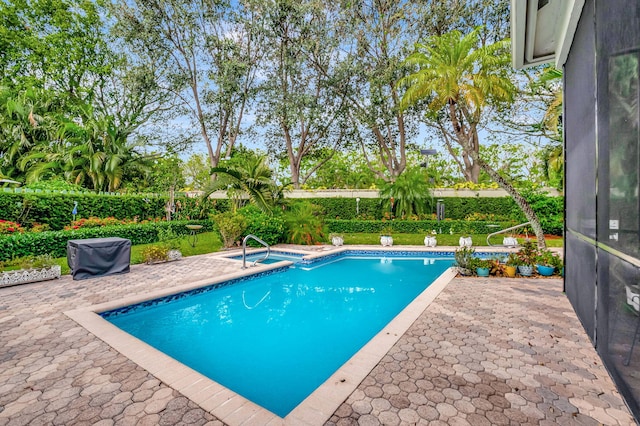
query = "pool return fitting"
x=244 y=250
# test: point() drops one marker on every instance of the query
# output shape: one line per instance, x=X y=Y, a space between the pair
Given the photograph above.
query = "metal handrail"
x=505 y=230
x=244 y=250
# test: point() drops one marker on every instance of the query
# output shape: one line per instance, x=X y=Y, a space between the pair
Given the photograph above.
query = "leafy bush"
x=270 y=229
x=155 y=253
x=94 y=222
x=55 y=209
x=55 y=242
x=8 y=227
x=345 y=208
x=230 y=227
x=408 y=194
x=39 y=227
x=305 y=225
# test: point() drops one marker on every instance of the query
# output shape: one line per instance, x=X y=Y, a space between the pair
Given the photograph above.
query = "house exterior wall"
x=602 y=147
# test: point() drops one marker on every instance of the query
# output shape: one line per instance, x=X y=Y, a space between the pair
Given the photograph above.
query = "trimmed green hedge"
x=415 y=226
x=456 y=208
x=55 y=242
x=56 y=209
x=345 y=208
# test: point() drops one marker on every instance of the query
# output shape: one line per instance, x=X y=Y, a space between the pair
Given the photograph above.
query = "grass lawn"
x=209 y=242
x=443 y=239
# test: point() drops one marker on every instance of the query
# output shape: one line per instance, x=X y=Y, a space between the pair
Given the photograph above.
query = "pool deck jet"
x=481 y=351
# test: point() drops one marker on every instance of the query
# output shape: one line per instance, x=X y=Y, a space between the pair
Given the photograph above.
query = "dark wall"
x=602 y=146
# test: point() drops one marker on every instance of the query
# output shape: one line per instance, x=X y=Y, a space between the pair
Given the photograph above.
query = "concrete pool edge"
x=230 y=407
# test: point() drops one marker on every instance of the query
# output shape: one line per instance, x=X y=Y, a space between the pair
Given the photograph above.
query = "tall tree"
x=302 y=114
x=375 y=34
x=205 y=54
x=439 y=17
x=59 y=45
x=460 y=79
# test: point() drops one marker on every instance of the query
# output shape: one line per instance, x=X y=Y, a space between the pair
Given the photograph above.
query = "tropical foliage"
x=99 y=93
x=250 y=179
x=305 y=224
x=459 y=79
x=409 y=193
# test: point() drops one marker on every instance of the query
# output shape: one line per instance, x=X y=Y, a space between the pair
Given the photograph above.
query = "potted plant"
x=545 y=262
x=430 y=240
x=558 y=263
x=336 y=239
x=465 y=239
x=481 y=266
x=511 y=265
x=30 y=269
x=464 y=260
x=497 y=267
x=527 y=255
x=385 y=236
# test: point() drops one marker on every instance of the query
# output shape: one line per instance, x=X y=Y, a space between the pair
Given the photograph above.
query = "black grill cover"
x=95 y=257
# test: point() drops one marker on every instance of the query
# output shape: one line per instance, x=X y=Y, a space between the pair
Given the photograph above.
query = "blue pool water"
x=275 y=338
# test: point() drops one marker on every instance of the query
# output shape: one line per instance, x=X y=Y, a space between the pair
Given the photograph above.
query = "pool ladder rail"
x=503 y=231
x=244 y=250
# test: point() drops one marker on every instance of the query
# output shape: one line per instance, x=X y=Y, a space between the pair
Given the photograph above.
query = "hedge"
x=55 y=209
x=456 y=208
x=55 y=242
x=415 y=226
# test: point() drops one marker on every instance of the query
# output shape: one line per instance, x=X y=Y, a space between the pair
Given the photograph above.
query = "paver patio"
x=486 y=351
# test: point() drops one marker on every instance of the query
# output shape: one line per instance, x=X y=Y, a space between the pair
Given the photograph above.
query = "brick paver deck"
x=486 y=351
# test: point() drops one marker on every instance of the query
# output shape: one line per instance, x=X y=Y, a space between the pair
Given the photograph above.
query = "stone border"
x=230 y=407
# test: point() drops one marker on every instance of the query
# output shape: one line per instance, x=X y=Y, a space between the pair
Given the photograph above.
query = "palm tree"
x=251 y=178
x=410 y=193
x=458 y=79
x=550 y=78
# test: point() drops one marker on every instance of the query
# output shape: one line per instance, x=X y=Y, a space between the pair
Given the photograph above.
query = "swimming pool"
x=274 y=256
x=261 y=333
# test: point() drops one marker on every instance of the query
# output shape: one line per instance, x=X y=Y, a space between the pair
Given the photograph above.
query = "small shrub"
x=528 y=253
x=230 y=226
x=269 y=228
x=156 y=253
x=8 y=227
x=464 y=259
x=305 y=225
x=94 y=222
x=39 y=227
x=169 y=237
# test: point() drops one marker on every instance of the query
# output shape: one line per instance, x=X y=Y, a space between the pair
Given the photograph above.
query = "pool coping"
x=225 y=404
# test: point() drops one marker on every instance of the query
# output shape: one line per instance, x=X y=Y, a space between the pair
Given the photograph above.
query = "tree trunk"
x=520 y=201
